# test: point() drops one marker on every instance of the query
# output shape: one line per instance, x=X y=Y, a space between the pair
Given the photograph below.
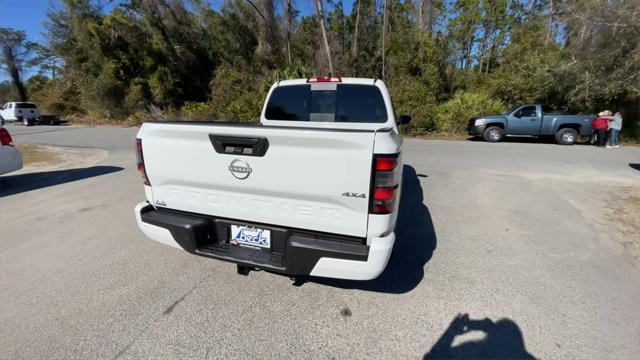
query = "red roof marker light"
x=323 y=79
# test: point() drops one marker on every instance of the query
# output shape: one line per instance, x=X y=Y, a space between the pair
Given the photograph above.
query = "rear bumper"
x=293 y=251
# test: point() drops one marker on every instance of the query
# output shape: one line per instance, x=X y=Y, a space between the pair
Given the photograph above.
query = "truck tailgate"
x=307 y=178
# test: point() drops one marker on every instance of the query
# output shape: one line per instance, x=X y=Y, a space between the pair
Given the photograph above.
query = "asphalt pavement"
x=504 y=250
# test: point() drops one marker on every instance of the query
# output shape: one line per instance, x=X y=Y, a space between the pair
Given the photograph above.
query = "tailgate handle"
x=239 y=145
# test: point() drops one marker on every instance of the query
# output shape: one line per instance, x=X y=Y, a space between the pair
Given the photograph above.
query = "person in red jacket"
x=601 y=125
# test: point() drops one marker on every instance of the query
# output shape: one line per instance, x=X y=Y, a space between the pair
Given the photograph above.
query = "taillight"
x=386 y=176
x=321 y=79
x=140 y=162
x=5 y=137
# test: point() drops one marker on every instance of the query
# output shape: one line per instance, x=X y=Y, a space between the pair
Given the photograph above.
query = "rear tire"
x=566 y=136
x=493 y=134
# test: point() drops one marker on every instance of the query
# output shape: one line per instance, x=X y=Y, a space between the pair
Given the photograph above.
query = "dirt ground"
x=623 y=212
x=46 y=157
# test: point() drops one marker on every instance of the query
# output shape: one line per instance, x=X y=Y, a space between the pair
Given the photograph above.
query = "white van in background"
x=20 y=111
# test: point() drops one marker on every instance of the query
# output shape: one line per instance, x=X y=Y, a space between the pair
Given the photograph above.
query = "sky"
x=29 y=16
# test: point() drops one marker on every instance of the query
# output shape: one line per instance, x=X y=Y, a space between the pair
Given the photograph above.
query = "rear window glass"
x=25 y=106
x=347 y=103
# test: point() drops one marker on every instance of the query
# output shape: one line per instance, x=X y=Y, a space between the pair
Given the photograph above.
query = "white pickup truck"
x=23 y=111
x=311 y=190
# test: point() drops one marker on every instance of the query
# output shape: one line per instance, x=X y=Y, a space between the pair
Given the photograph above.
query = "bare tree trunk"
x=420 y=14
x=384 y=34
x=320 y=12
x=267 y=45
x=354 y=48
x=14 y=72
x=491 y=50
x=289 y=21
x=549 y=23
x=428 y=15
x=486 y=39
x=530 y=6
x=467 y=50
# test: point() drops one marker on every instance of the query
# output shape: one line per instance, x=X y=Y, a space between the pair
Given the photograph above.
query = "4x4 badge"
x=355 y=195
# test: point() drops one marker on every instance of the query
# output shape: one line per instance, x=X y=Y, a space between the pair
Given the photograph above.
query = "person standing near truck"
x=615 y=125
x=601 y=124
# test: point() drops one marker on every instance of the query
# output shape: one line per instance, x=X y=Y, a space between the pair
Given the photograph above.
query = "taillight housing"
x=323 y=79
x=384 y=187
x=5 y=137
x=140 y=162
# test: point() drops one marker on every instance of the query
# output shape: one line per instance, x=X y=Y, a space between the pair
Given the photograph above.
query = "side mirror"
x=517 y=114
x=404 y=119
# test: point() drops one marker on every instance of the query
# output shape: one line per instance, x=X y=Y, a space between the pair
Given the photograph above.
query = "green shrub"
x=197 y=111
x=452 y=116
x=415 y=98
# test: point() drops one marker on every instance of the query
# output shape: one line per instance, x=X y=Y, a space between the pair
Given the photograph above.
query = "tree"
x=384 y=34
x=15 y=53
x=46 y=61
x=187 y=59
x=289 y=14
x=320 y=15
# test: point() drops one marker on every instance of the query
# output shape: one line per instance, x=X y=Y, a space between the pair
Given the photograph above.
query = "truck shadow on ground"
x=531 y=140
x=15 y=184
x=498 y=340
x=414 y=246
x=634 y=166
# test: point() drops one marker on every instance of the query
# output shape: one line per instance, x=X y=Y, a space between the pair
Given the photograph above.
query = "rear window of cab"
x=348 y=103
x=25 y=106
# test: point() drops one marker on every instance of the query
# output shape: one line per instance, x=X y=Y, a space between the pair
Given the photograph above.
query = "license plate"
x=250 y=236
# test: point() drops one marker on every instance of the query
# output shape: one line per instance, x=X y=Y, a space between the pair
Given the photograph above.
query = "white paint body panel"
x=156 y=233
x=298 y=183
x=379 y=253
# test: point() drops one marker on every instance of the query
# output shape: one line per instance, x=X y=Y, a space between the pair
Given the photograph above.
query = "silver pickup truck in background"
x=531 y=120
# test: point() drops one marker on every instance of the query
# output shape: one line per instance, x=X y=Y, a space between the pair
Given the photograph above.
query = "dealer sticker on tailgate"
x=252 y=236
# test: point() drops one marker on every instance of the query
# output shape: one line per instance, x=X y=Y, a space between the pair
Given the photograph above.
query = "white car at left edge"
x=10 y=157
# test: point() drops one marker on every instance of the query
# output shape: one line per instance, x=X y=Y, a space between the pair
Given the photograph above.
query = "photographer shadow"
x=502 y=340
x=414 y=246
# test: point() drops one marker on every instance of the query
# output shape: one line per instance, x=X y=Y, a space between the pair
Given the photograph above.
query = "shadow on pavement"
x=531 y=140
x=15 y=184
x=501 y=340
x=414 y=246
x=635 y=166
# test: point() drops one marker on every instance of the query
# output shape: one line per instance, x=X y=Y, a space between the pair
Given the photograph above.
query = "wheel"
x=566 y=136
x=493 y=134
